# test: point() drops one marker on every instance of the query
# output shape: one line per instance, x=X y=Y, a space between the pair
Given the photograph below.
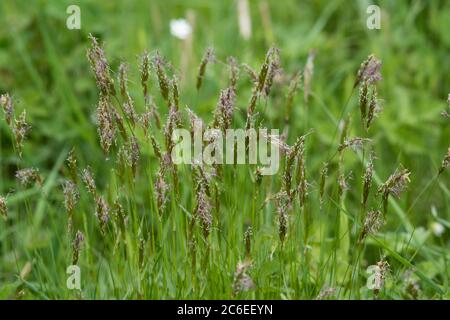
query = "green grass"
x=43 y=66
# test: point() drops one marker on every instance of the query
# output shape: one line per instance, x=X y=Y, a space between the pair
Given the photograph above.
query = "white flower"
x=245 y=23
x=437 y=228
x=180 y=28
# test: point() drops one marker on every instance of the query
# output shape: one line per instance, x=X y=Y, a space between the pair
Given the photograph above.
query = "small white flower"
x=245 y=23
x=437 y=228
x=180 y=28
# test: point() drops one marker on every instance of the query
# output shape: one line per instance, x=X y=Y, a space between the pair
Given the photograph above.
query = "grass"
x=170 y=251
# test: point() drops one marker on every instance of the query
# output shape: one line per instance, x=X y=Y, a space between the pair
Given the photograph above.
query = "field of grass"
x=140 y=227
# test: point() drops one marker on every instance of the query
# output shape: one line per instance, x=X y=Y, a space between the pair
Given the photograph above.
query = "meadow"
x=359 y=208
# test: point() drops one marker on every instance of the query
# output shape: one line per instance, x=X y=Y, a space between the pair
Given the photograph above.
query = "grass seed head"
x=372 y=224
x=445 y=162
x=356 y=144
x=135 y=153
x=242 y=281
x=20 y=130
x=123 y=79
x=193 y=250
x=207 y=57
x=151 y=111
x=156 y=147
x=250 y=72
x=130 y=112
x=175 y=93
x=326 y=293
x=145 y=68
x=382 y=270
x=164 y=85
x=293 y=154
x=283 y=205
x=395 y=185
x=76 y=246
x=234 y=72
x=28 y=176
x=262 y=76
x=292 y=91
x=363 y=101
x=8 y=107
x=161 y=188
x=273 y=70
x=263 y=84
x=194 y=120
x=343 y=183
x=374 y=108
x=446 y=113
x=323 y=178
x=302 y=184
x=3 y=207
x=71 y=195
x=343 y=130
x=120 y=215
x=129 y=155
x=123 y=160
x=141 y=257
x=145 y=120
x=128 y=104
x=173 y=121
x=102 y=213
x=251 y=109
x=248 y=241
x=372 y=72
x=258 y=176
x=224 y=111
x=308 y=74
x=203 y=210
x=106 y=127
x=72 y=165
x=367 y=180
x=89 y=181
x=100 y=67
x=369 y=71
x=120 y=123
